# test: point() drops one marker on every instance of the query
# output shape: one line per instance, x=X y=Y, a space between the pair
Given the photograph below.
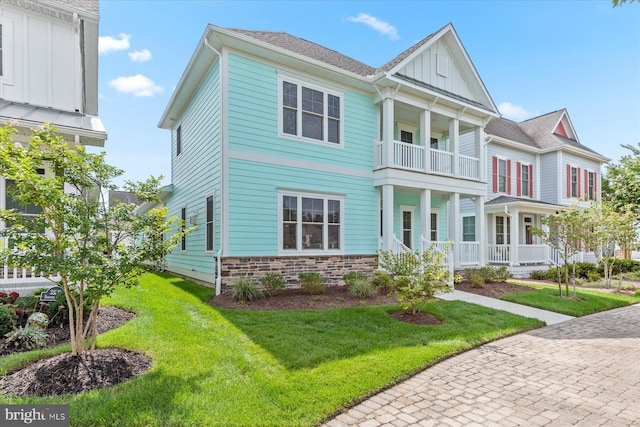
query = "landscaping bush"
x=352 y=276
x=475 y=277
x=8 y=319
x=27 y=337
x=552 y=274
x=272 y=283
x=623 y=266
x=58 y=311
x=479 y=276
x=244 y=290
x=501 y=274
x=583 y=269
x=311 y=283
x=383 y=282
x=593 y=276
x=538 y=275
x=361 y=287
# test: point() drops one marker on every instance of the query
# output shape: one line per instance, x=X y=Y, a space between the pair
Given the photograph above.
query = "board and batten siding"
x=254 y=203
x=253 y=119
x=515 y=155
x=196 y=174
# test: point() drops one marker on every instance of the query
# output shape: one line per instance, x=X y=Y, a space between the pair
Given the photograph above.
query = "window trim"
x=325 y=123
x=325 y=224
x=179 y=140
x=506 y=230
x=506 y=175
x=474 y=227
x=410 y=209
x=436 y=212
x=213 y=223
x=183 y=226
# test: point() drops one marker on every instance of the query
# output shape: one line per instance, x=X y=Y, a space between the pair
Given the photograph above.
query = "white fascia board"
x=513 y=144
x=579 y=152
x=523 y=206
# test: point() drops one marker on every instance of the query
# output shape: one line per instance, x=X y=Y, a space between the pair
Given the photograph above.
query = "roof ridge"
x=543 y=115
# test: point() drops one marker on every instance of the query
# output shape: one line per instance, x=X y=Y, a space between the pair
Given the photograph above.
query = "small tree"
x=94 y=248
x=565 y=231
x=418 y=276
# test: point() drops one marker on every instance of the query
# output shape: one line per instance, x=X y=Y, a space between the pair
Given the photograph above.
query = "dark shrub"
x=352 y=276
x=8 y=319
x=272 y=283
x=311 y=283
x=538 y=275
x=383 y=282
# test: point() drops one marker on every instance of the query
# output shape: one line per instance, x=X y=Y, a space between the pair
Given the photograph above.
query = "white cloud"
x=137 y=85
x=375 y=23
x=514 y=112
x=108 y=44
x=140 y=55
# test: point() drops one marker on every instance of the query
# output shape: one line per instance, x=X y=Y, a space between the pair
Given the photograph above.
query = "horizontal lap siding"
x=253 y=206
x=582 y=163
x=196 y=173
x=515 y=156
x=549 y=178
x=253 y=120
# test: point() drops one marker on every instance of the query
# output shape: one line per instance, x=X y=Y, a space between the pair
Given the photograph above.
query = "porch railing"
x=469 y=252
x=441 y=162
x=532 y=254
x=499 y=254
x=408 y=156
x=468 y=167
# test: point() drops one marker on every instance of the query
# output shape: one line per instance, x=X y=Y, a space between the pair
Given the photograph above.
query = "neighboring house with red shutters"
x=536 y=167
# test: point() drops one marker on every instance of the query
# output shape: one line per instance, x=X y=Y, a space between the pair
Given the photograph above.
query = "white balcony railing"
x=530 y=254
x=469 y=252
x=408 y=156
x=498 y=254
x=468 y=167
x=441 y=162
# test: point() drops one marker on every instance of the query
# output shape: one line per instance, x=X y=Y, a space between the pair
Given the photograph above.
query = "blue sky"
x=533 y=56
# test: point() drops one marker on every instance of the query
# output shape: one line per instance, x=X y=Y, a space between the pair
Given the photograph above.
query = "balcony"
x=439 y=162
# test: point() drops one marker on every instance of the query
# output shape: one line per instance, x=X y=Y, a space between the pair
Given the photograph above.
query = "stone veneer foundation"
x=331 y=267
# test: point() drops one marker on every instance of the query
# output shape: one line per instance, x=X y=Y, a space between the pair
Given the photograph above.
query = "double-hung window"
x=502 y=175
x=503 y=230
x=525 y=179
x=310 y=112
x=310 y=222
x=209 y=228
x=574 y=182
x=468 y=228
x=179 y=140
x=183 y=227
x=591 y=185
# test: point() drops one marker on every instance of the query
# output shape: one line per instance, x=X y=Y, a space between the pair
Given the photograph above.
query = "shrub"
x=501 y=274
x=583 y=269
x=352 y=276
x=623 y=266
x=311 y=283
x=8 y=319
x=383 y=282
x=538 y=275
x=272 y=283
x=593 y=276
x=475 y=277
x=361 y=287
x=244 y=290
x=58 y=311
x=27 y=337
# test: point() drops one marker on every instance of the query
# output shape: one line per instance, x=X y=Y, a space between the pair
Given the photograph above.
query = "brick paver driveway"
x=582 y=372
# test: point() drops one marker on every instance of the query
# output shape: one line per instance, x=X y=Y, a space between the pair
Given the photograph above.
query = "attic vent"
x=442 y=64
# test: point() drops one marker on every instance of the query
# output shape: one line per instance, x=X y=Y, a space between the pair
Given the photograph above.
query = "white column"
x=425 y=138
x=481 y=153
x=515 y=237
x=425 y=214
x=387 y=131
x=387 y=217
x=481 y=230
x=454 y=199
x=454 y=143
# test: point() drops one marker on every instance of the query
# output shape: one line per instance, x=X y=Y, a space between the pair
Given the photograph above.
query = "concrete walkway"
x=582 y=372
x=549 y=317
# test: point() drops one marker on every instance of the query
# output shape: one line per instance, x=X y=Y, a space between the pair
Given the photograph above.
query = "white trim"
x=506 y=176
x=411 y=210
x=224 y=182
x=299 y=195
x=437 y=229
x=413 y=130
x=527 y=164
x=302 y=164
x=475 y=232
x=300 y=83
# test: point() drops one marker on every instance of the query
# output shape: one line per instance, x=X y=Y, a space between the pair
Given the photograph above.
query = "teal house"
x=291 y=157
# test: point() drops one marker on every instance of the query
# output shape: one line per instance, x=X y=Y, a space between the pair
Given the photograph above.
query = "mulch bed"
x=295 y=299
x=419 y=318
x=65 y=374
x=493 y=290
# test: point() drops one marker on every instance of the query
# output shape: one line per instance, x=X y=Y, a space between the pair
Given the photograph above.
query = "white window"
x=525 y=179
x=468 y=228
x=209 y=224
x=434 y=226
x=574 y=182
x=183 y=226
x=310 y=112
x=502 y=175
x=503 y=230
x=592 y=183
x=179 y=140
x=310 y=222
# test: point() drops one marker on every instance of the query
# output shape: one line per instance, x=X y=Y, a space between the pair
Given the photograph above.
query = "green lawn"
x=243 y=368
x=546 y=297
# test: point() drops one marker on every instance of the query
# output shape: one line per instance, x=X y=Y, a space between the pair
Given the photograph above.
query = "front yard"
x=214 y=366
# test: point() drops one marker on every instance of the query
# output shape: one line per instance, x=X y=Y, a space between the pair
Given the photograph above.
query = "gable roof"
x=309 y=49
x=540 y=132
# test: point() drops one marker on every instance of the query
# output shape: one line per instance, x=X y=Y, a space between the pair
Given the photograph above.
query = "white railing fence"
x=468 y=167
x=441 y=162
x=498 y=254
x=469 y=252
x=532 y=253
x=408 y=156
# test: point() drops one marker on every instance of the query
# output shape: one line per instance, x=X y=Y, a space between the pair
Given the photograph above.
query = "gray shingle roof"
x=536 y=132
x=508 y=199
x=309 y=49
x=395 y=61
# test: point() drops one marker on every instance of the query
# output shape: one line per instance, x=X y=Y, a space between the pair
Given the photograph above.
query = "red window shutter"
x=595 y=187
x=579 y=189
x=495 y=174
x=518 y=179
x=568 y=180
x=531 y=181
x=509 y=177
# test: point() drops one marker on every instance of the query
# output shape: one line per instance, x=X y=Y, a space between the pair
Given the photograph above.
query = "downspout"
x=218 y=268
